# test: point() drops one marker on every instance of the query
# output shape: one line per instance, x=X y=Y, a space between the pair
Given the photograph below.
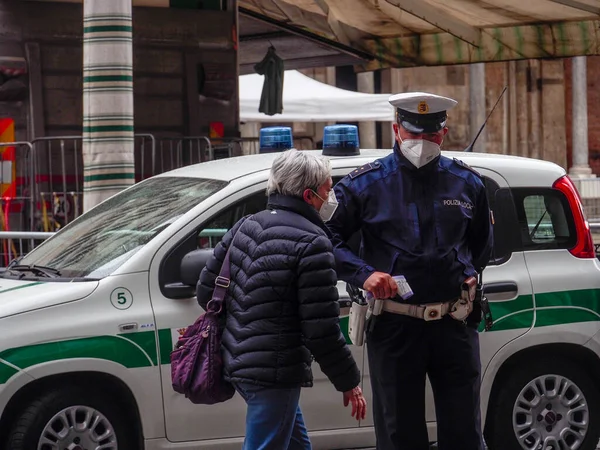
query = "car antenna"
x=470 y=147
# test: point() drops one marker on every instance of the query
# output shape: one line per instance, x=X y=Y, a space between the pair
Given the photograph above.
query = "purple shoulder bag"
x=196 y=361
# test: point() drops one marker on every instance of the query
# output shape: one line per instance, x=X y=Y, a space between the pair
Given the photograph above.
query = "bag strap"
x=223 y=280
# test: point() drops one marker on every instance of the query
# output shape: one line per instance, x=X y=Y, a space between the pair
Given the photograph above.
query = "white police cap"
x=421 y=112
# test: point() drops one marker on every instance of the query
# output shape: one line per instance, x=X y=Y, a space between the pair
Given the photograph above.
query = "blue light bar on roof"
x=341 y=140
x=275 y=139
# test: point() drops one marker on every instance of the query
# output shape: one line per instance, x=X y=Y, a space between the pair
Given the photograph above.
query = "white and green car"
x=89 y=318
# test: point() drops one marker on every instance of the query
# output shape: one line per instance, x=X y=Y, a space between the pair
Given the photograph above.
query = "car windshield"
x=103 y=239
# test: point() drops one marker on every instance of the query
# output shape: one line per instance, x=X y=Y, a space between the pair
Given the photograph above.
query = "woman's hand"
x=359 y=404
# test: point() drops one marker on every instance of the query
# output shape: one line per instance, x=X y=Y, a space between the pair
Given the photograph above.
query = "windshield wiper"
x=49 y=272
x=537 y=225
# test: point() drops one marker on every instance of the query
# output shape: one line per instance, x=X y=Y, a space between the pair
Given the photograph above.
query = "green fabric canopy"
x=408 y=33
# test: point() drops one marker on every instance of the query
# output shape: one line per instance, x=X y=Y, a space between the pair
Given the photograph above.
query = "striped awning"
x=406 y=33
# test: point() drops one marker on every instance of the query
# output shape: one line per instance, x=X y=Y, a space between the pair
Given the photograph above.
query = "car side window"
x=545 y=219
x=212 y=233
x=491 y=187
x=506 y=238
x=206 y=237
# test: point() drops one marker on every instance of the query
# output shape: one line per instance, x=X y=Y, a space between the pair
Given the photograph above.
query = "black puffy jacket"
x=282 y=301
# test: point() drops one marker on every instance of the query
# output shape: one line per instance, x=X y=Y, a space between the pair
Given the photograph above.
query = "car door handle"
x=500 y=287
x=501 y=291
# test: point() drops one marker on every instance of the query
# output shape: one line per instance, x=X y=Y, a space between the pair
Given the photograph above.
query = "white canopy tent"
x=308 y=100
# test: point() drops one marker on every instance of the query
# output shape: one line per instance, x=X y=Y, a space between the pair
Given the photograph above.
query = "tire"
x=35 y=418
x=546 y=424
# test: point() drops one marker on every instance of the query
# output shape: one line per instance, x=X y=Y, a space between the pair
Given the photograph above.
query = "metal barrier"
x=58 y=171
x=177 y=152
x=69 y=164
x=58 y=177
x=226 y=147
x=55 y=178
x=17 y=185
x=144 y=144
x=45 y=191
x=589 y=190
x=14 y=244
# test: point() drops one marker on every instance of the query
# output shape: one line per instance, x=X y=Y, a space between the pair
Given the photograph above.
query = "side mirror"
x=189 y=272
x=192 y=264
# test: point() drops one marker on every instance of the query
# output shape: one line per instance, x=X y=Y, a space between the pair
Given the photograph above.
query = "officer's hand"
x=381 y=285
x=359 y=404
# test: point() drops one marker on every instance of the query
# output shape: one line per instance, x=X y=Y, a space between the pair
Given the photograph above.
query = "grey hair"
x=294 y=171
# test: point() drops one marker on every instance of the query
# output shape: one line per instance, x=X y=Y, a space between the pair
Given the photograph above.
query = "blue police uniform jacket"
x=432 y=225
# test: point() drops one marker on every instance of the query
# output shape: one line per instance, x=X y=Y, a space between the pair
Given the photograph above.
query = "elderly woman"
x=282 y=304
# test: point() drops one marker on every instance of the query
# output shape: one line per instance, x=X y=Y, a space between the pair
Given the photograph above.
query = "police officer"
x=426 y=217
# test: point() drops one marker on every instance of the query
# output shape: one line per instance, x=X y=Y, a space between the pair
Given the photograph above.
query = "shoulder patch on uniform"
x=466 y=166
x=364 y=169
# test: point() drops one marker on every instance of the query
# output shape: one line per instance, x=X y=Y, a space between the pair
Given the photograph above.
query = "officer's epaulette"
x=364 y=169
x=466 y=166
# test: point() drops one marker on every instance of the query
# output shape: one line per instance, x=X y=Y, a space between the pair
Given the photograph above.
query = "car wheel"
x=72 y=419
x=546 y=405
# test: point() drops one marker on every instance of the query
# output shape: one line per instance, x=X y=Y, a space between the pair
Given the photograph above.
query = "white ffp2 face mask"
x=328 y=207
x=419 y=151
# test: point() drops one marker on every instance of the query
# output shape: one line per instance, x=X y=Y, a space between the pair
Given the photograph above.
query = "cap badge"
x=423 y=108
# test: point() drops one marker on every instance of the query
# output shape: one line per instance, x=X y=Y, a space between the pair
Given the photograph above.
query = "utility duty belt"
x=363 y=313
x=458 y=309
x=432 y=311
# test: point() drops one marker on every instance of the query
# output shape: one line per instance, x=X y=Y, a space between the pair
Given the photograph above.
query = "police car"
x=89 y=317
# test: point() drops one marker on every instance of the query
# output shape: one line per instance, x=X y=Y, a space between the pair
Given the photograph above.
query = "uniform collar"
x=297 y=205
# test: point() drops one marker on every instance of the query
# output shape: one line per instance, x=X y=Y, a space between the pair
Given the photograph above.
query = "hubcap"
x=551 y=413
x=78 y=428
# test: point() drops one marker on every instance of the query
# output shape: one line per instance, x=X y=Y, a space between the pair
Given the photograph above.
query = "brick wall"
x=593 y=79
x=166 y=41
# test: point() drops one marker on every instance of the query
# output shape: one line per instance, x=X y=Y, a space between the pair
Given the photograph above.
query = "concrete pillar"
x=325 y=75
x=477 y=105
x=391 y=82
x=366 y=130
x=108 y=134
x=581 y=168
x=250 y=131
x=553 y=115
x=535 y=111
x=330 y=79
x=513 y=124
x=521 y=108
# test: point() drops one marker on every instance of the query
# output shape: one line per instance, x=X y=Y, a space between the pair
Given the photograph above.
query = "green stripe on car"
x=135 y=350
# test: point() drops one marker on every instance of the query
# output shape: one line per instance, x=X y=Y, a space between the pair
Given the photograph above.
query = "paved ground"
x=434 y=447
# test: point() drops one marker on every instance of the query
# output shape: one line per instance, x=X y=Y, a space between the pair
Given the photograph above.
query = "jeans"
x=273 y=419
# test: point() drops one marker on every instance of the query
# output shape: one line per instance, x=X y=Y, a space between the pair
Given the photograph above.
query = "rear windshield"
x=100 y=241
x=545 y=219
